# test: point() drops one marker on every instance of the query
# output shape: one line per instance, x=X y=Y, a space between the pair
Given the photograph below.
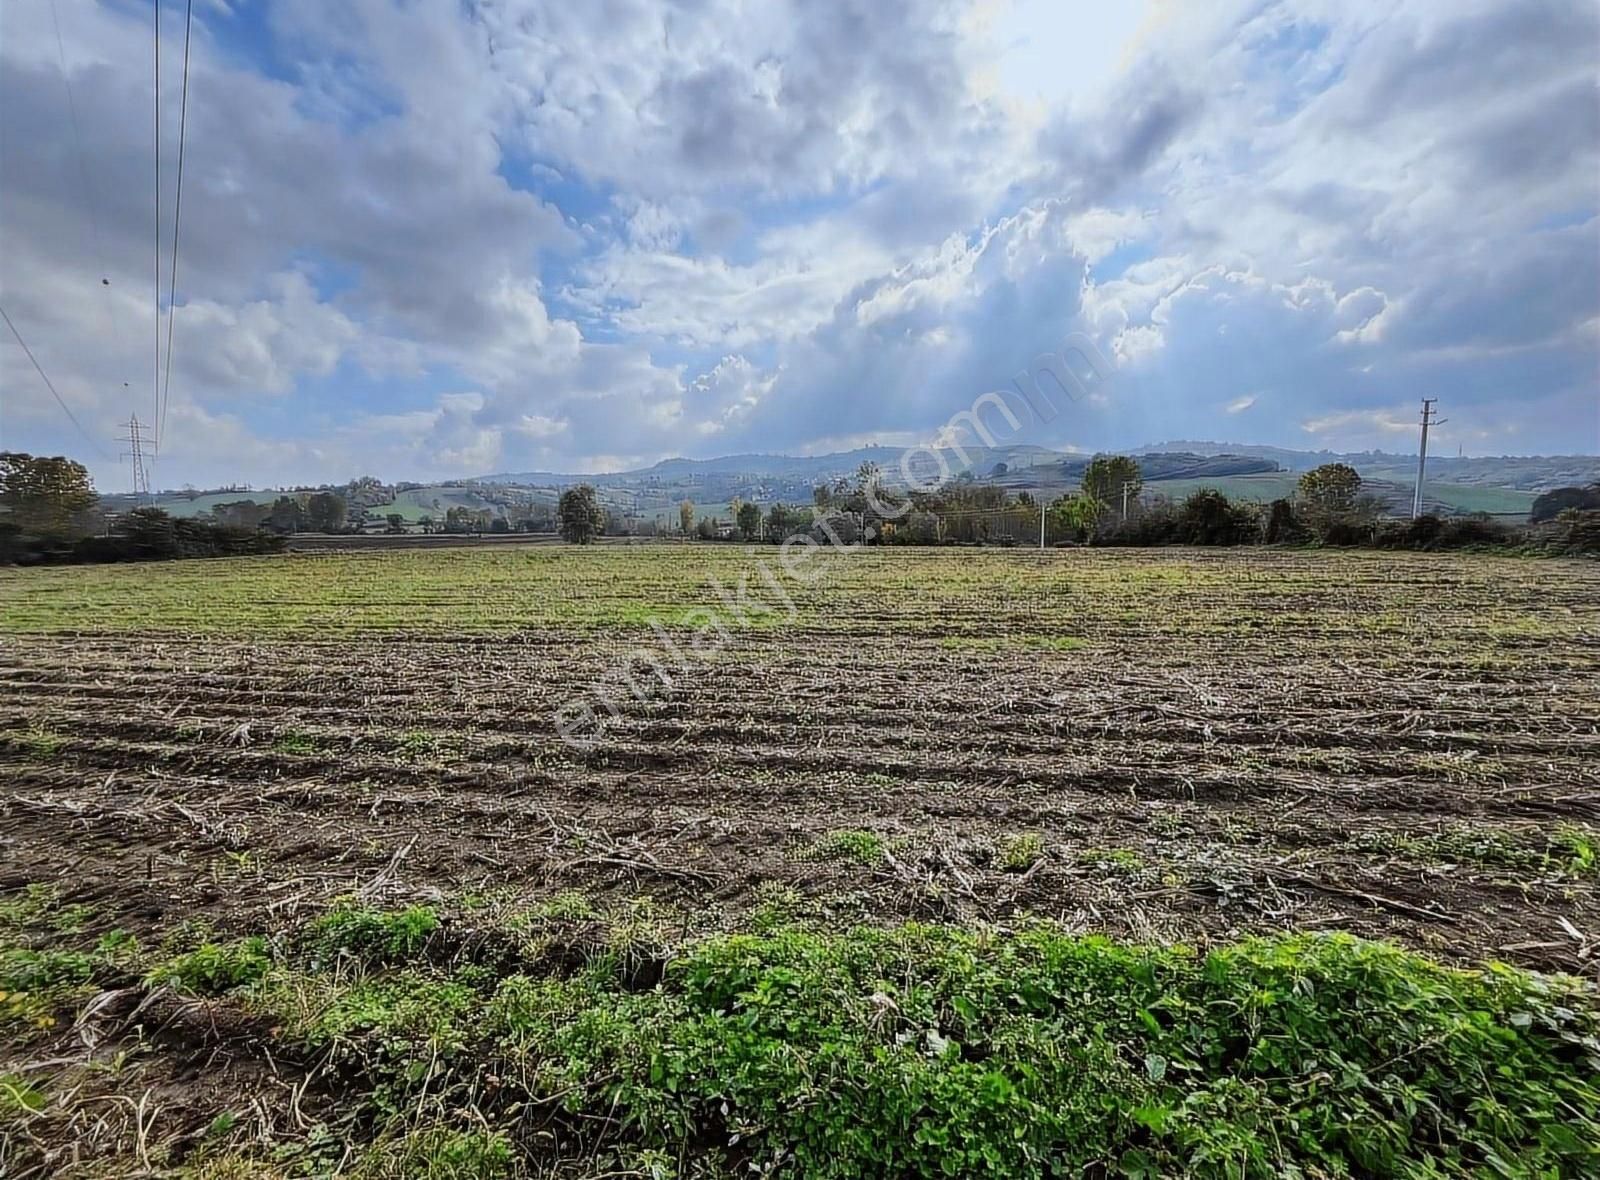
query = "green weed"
x=1019 y=852
x=214 y=968
x=851 y=844
x=297 y=742
x=373 y=936
x=36 y=743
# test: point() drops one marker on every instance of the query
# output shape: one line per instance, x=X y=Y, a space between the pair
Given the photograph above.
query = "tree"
x=749 y=520
x=784 y=522
x=1331 y=488
x=286 y=516
x=686 y=516
x=1073 y=516
x=325 y=512
x=1332 y=507
x=581 y=516
x=1209 y=518
x=45 y=495
x=396 y=522
x=1109 y=478
x=242 y=514
x=1553 y=503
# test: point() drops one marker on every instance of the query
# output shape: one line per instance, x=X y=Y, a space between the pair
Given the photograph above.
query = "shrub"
x=1428 y=532
x=1553 y=503
x=1282 y=525
x=1209 y=518
x=1575 y=532
x=1152 y=522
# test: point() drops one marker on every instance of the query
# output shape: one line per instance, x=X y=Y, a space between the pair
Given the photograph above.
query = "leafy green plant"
x=30 y=970
x=1575 y=848
x=928 y=1051
x=214 y=968
x=374 y=936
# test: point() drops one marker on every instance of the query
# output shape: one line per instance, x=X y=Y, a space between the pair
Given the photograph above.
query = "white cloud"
x=767 y=227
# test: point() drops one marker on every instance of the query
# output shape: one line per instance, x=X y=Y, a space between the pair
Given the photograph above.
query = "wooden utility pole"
x=1428 y=420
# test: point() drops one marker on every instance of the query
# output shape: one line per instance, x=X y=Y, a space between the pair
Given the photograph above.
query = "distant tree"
x=1331 y=488
x=580 y=515
x=1108 y=478
x=1073 y=516
x=1282 y=524
x=425 y=523
x=749 y=520
x=287 y=516
x=1331 y=506
x=1000 y=469
x=1556 y=501
x=784 y=522
x=686 y=517
x=706 y=529
x=396 y=523
x=325 y=512
x=822 y=495
x=49 y=495
x=366 y=491
x=242 y=514
x=499 y=525
x=1209 y=518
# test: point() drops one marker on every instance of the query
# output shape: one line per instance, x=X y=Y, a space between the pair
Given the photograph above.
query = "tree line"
x=1112 y=507
x=50 y=514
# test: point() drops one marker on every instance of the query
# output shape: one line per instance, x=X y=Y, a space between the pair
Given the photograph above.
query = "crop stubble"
x=1403 y=746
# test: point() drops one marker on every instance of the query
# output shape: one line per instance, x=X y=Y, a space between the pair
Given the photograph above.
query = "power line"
x=177 y=216
x=155 y=378
x=65 y=409
x=77 y=139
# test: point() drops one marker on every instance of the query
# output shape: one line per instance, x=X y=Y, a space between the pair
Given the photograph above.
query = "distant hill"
x=1503 y=485
x=1529 y=473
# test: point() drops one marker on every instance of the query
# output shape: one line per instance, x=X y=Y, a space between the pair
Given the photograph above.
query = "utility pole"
x=1124 y=501
x=135 y=452
x=1041 y=507
x=1428 y=420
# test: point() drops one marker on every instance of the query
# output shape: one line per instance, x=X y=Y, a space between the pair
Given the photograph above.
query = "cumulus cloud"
x=450 y=238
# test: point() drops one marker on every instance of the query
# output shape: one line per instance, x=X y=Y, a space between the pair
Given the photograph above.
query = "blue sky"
x=428 y=240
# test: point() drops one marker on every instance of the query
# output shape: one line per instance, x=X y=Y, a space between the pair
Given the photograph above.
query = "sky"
x=431 y=239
